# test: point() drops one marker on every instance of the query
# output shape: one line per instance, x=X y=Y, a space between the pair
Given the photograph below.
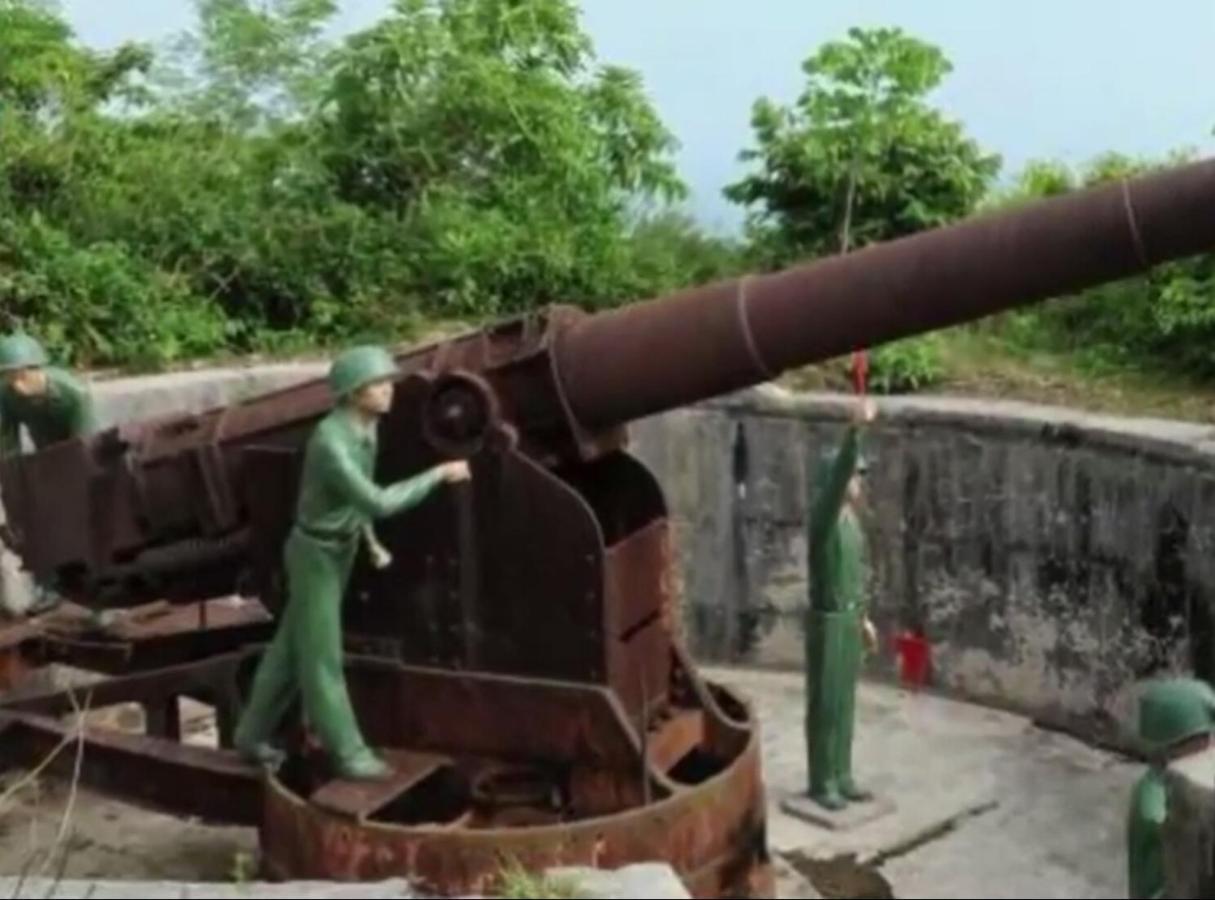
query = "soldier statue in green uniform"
x=337 y=503
x=1176 y=717
x=50 y=403
x=837 y=623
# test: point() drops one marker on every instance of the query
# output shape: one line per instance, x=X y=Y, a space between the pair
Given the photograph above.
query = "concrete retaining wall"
x=123 y=399
x=1055 y=559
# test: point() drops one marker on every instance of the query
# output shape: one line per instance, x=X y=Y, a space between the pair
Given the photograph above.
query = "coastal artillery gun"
x=521 y=654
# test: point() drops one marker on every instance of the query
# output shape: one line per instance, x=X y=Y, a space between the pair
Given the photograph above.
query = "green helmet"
x=1174 y=710
x=20 y=351
x=358 y=367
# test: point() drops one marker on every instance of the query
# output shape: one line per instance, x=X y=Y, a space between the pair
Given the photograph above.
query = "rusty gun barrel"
x=665 y=353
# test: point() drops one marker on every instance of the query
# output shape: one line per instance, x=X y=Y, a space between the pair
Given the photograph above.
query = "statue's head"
x=856 y=486
x=363 y=377
x=22 y=364
x=1175 y=715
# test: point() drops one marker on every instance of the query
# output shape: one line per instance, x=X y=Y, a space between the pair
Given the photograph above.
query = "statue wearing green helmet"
x=49 y=402
x=359 y=367
x=338 y=500
x=20 y=351
x=1176 y=716
x=51 y=405
x=837 y=626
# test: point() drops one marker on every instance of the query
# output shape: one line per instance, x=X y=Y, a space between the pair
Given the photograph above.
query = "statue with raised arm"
x=837 y=626
x=338 y=502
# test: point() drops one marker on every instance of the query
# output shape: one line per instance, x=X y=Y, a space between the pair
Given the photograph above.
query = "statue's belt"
x=327 y=535
x=849 y=613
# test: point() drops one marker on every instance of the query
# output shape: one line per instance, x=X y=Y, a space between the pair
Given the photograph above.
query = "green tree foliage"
x=484 y=126
x=860 y=151
x=259 y=186
x=862 y=157
x=1162 y=320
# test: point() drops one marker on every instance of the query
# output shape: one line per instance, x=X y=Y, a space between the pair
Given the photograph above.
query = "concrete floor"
x=1055 y=829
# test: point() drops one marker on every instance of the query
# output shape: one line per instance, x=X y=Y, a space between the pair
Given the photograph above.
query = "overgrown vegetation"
x=255 y=186
x=516 y=883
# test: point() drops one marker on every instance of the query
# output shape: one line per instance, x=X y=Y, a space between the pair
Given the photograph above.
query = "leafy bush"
x=257 y=187
x=1164 y=320
x=906 y=366
x=99 y=305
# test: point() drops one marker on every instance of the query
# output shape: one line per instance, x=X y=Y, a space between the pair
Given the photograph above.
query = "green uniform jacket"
x=1144 y=850
x=836 y=557
x=65 y=411
x=338 y=494
x=837 y=544
x=338 y=501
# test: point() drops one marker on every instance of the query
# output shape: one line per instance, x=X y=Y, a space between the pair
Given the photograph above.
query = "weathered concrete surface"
x=171 y=890
x=1190 y=829
x=1055 y=559
x=656 y=880
x=148 y=396
x=649 y=880
x=1056 y=829
x=801 y=806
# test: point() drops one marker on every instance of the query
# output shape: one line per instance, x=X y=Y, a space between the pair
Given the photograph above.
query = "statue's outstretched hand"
x=380 y=558
x=871 y=636
x=864 y=412
x=455 y=471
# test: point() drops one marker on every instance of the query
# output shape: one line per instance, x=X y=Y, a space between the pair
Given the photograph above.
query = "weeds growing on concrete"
x=516 y=883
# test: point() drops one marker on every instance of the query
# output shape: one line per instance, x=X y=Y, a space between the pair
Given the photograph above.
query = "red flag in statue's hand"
x=860 y=371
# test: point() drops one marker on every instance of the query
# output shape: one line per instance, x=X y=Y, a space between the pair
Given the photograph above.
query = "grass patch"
x=516 y=883
x=978 y=362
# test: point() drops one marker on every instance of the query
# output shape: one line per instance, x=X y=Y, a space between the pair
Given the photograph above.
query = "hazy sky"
x=1033 y=78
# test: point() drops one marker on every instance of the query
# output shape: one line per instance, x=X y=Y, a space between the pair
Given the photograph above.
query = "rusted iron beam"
x=213 y=785
x=16 y=640
x=712 y=340
x=206 y=677
x=143 y=638
x=360 y=799
x=163 y=718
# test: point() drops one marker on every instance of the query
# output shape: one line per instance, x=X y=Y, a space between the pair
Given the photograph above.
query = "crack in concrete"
x=931 y=834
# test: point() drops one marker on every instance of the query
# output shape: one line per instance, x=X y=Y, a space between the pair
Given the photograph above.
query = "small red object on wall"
x=915 y=658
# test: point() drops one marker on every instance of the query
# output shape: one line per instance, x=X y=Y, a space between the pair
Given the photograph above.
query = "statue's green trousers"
x=305 y=658
x=833 y=644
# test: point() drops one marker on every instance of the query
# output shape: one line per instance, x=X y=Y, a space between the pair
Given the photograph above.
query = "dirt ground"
x=107 y=839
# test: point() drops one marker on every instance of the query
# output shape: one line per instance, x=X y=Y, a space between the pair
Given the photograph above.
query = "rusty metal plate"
x=360 y=799
x=213 y=785
x=676 y=738
x=489 y=715
x=711 y=832
x=635 y=575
